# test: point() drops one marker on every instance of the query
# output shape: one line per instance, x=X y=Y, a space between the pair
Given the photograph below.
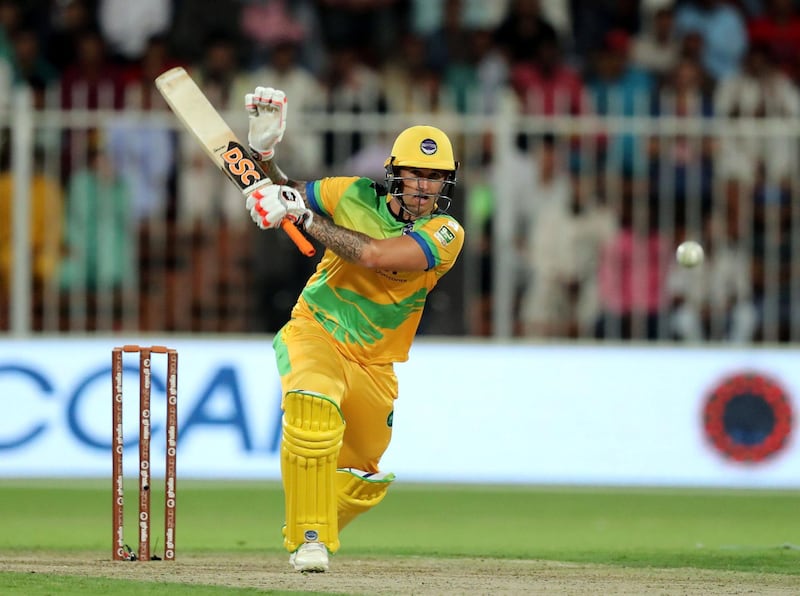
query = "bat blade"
x=204 y=122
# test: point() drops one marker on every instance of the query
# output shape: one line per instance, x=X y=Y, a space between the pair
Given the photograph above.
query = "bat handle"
x=297 y=237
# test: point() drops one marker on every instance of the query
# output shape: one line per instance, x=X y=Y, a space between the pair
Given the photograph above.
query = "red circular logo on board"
x=748 y=417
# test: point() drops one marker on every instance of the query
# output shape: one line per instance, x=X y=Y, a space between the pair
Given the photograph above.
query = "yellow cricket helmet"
x=422 y=146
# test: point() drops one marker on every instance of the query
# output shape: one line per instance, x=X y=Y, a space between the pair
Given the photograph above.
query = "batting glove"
x=267 y=109
x=270 y=204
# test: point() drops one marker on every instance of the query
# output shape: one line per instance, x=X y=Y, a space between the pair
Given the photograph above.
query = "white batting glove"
x=296 y=210
x=267 y=108
x=270 y=204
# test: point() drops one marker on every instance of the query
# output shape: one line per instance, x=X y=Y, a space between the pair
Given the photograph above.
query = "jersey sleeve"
x=441 y=239
x=324 y=195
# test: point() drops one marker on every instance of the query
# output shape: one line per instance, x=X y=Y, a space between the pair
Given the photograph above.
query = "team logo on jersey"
x=444 y=235
x=428 y=146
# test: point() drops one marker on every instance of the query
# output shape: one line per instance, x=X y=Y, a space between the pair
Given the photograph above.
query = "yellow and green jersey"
x=373 y=314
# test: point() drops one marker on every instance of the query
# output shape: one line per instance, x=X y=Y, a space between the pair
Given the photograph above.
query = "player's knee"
x=312 y=423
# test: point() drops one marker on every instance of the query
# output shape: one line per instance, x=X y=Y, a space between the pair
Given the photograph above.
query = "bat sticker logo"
x=242 y=170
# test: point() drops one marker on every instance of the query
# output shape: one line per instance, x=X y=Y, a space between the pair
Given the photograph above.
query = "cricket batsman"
x=387 y=245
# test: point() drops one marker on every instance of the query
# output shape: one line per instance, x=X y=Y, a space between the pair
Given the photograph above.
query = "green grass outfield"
x=751 y=531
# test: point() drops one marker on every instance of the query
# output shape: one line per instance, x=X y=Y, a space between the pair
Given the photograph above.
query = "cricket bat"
x=196 y=113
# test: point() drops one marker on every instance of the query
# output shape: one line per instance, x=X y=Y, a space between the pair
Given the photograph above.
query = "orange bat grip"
x=297 y=237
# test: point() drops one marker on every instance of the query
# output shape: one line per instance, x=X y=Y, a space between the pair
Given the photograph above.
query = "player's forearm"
x=348 y=244
x=276 y=174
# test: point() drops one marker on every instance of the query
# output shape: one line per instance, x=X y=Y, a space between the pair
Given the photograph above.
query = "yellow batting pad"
x=313 y=427
x=358 y=492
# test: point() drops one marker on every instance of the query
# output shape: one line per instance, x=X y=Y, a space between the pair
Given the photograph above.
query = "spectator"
x=492 y=73
x=548 y=86
x=409 y=81
x=144 y=155
x=29 y=62
x=721 y=27
x=369 y=161
x=488 y=176
x=351 y=87
x=198 y=21
x=541 y=171
x=591 y=21
x=522 y=31
x=632 y=273
x=268 y=24
x=143 y=151
x=91 y=82
x=564 y=240
x=691 y=47
x=45 y=208
x=68 y=20
x=761 y=90
x=558 y=14
x=99 y=242
x=684 y=91
x=478 y=82
x=482 y=307
x=47 y=140
x=778 y=29
x=772 y=227
x=10 y=20
x=617 y=88
x=427 y=15
x=715 y=301
x=217 y=70
x=370 y=26
x=681 y=165
x=138 y=79
x=656 y=47
x=128 y=26
x=448 y=44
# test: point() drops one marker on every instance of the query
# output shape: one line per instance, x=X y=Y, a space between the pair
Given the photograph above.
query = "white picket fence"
x=120 y=223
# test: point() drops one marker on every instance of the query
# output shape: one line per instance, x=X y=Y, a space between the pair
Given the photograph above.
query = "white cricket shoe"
x=310 y=556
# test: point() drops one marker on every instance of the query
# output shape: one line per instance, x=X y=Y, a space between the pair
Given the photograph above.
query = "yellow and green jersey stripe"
x=371 y=314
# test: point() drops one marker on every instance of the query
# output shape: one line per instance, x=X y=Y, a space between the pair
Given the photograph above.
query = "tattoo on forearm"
x=348 y=244
x=278 y=177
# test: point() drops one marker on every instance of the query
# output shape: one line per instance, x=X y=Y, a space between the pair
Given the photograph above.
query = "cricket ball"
x=689 y=254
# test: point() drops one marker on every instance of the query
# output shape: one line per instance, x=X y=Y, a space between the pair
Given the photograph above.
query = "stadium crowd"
x=595 y=237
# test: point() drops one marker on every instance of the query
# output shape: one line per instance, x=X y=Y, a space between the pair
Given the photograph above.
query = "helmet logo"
x=428 y=146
